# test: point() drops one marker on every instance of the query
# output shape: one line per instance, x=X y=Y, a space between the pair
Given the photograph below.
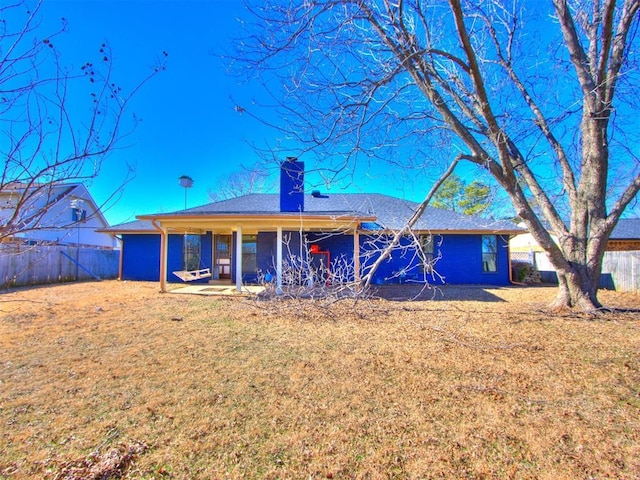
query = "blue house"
x=257 y=237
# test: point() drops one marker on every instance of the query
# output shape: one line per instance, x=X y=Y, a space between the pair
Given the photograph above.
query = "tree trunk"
x=577 y=289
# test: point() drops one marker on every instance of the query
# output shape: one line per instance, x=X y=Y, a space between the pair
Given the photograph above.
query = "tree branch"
x=366 y=280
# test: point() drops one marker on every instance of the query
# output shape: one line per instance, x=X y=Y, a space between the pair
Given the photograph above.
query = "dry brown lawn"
x=113 y=379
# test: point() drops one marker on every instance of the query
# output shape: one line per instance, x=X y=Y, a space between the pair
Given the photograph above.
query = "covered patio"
x=236 y=226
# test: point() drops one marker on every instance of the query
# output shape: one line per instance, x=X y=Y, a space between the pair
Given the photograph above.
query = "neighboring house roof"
x=44 y=213
x=377 y=211
x=135 y=226
x=626 y=229
x=45 y=196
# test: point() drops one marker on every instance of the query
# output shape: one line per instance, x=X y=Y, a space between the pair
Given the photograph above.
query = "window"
x=426 y=242
x=489 y=254
x=78 y=215
x=249 y=253
x=191 y=252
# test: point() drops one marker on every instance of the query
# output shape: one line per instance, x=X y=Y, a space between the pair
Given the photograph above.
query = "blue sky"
x=188 y=123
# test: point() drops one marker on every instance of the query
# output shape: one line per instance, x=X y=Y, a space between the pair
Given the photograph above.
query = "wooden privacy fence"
x=620 y=270
x=34 y=265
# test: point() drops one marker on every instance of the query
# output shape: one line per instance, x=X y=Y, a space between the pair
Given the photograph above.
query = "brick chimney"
x=292 y=185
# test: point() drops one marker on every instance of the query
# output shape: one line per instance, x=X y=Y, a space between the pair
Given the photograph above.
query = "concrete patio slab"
x=219 y=290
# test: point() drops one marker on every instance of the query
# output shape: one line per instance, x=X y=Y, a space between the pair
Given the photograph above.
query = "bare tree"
x=538 y=94
x=57 y=123
x=313 y=284
x=241 y=182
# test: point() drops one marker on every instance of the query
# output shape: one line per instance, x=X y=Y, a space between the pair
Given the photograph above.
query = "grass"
x=179 y=386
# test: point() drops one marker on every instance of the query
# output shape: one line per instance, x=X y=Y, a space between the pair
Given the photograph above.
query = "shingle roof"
x=626 y=229
x=130 y=227
x=390 y=212
x=49 y=194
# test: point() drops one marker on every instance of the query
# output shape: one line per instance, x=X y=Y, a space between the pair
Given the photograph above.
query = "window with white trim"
x=489 y=254
x=426 y=243
x=191 y=251
x=249 y=253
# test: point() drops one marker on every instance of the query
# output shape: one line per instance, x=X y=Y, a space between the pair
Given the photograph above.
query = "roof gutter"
x=156 y=226
x=275 y=216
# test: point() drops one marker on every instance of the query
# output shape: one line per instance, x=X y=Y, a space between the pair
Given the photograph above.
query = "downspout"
x=163 y=256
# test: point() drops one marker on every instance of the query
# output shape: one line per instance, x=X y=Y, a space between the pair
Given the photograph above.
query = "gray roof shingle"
x=130 y=227
x=626 y=229
x=390 y=212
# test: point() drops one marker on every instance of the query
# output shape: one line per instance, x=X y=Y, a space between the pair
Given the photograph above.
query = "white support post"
x=163 y=262
x=356 y=255
x=213 y=255
x=239 y=259
x=279 y=261
x=164 y=247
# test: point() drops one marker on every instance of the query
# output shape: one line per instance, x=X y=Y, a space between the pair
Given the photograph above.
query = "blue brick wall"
x=402 y=265
x=141 y=257
x=266 y=252
x=461 y=261
x=267 y=246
